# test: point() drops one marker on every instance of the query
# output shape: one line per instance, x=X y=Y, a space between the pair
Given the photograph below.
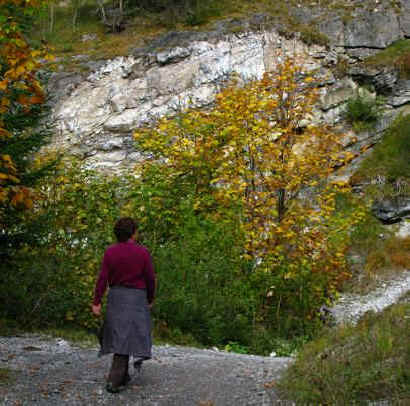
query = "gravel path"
x=351 y=307
x=48 y=371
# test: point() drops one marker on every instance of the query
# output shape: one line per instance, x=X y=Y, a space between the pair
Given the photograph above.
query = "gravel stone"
x=350 y=308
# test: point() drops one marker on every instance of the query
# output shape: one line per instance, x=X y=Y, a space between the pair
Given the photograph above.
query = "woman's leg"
x=118 y=376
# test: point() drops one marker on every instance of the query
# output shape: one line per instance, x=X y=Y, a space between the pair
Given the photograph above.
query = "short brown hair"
x=124 y=228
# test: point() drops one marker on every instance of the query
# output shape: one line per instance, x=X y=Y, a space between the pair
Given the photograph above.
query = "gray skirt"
x=127 y=325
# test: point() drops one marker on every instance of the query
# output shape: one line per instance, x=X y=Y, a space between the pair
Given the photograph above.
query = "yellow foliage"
x=18 y=88
x=255 y=151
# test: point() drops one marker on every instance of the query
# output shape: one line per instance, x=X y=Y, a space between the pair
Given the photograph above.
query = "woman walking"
x=128 y=271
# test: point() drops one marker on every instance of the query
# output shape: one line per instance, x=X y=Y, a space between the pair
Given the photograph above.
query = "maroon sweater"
x=126 y=264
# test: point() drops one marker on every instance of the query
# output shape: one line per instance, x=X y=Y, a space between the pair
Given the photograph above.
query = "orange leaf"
x=36 y=99
x=3 y=84
x=5 y=101
x=24 y=100
x=4 y=133
x=29 y=203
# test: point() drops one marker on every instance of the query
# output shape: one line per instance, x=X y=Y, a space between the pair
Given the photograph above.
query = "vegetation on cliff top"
x=84 y=28
x=102 y=30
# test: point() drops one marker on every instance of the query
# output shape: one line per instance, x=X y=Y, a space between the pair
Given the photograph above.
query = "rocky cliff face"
x=96 y=113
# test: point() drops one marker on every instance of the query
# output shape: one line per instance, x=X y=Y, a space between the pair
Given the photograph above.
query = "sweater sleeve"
x=102 y=281
x=149 y=276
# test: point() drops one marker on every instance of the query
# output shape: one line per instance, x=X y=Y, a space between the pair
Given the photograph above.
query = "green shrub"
x=48 y=281
x=202 y=288
x=363 y=111
x=311 y=35
x=201 y=11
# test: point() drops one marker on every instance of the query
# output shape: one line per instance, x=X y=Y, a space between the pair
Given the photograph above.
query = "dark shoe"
x=114 y=389
x=138 y=366
x=127 y=379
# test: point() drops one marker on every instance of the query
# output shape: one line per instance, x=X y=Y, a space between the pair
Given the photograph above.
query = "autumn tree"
x=21 y=109
x=259 y=156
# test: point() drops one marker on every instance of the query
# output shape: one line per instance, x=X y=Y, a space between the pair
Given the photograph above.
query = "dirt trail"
x=47 y=371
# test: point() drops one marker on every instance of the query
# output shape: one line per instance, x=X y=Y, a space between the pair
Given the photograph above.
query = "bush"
x=206 y=288
x=49 y=279
x=203 y=288
x=363 y=111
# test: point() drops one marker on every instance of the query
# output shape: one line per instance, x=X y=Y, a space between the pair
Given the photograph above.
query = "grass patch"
x=355 y=364
x=385 y=259
x=386 y=171
x=393 y=254
x=4 y=375
x=80 y=337
x=151 y=19
x=91 y=37
x=87 y=338
x=9 y=328
x=405 y=298
x=397 y=54
x=163 y=334
x=310 y=35
x=375 y=253
x=144 y=24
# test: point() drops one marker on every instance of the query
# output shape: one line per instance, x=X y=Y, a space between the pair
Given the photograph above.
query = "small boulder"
x=390 y=211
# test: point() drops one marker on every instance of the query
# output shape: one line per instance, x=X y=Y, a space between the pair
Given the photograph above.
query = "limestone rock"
x=370 y=29
x=96 y=113
x=391 y=211
x=404 y=18
x=403 y=229
x=128 y=92
x=338 y=94
x=172 y=55
x=384 y=79
x=401 y=94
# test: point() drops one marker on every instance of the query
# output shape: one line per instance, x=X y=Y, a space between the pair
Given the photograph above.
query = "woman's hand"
x=96 y=309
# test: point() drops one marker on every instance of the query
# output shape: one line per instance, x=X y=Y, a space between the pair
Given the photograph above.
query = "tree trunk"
x=75 y=14
x=103 y=15
x=281 y=204
x=51 y=10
